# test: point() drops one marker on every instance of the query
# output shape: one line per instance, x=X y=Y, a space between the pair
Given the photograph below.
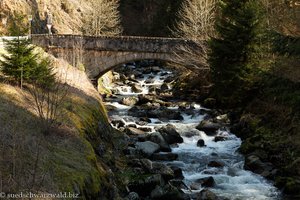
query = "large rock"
x=215 y=164
x=253 y=163
x=134 y=131
x=170 y=134
x=167 y=192
x=177 y=172
x=164 y=87
x=206 y=182
x=158 y=139
x=164 y=113
x=145 y=98
x=165 y=171
x=147 y=148
x=118 y=123
x=164 y=156
x=209 y=127
x=200 y=143
x=206 y=195
x=129 y=101
x=136 y=88
x=144 y=186
x=133 y=196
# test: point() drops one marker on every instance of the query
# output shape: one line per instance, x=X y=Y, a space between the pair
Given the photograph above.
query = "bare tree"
x=196 y=23
x=197 y=19
x=104 y=19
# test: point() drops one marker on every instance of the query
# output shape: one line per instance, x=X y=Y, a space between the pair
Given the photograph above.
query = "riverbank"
x=79 y=155
x=270 y=128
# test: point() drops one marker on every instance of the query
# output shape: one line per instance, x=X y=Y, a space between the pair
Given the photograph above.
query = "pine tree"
x=235 y=52
x=21 y=62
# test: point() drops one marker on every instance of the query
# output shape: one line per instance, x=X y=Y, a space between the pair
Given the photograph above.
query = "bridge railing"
x=112 y=43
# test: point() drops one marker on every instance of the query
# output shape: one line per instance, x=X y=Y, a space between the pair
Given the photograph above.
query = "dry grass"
x=66 y=159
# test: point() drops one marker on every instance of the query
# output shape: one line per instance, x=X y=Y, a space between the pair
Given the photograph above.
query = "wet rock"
x=147 y=148
x=201 y=143
x=145 y=119
x=164 y=113
x=206 y=195
x=215 y=164
x=219 y=138
x=191 y=133
x=143 y=99
x=134 y=131
x=138 y=111
x=159 y=139
x=208 y=127
x=177 y=172
x=164 y=87
x=165 y=171
x=131 y=125
x=167 y=192
x=179 y=184
x=222 y=119
x=118 y=123
x=206 y=182
x=145 y=129
x=155 y=69
x=141 y=123
x=170 y=134
x=110 y=107
x=254 y=164
x=129 y=101
x=144 y=186
x=137 y=88
x=164 y=156
x=133 y=196
x=195 y=186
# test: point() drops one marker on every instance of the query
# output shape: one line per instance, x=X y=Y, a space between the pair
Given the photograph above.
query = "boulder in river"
x=167 y=192
x=215 y=164
x=159 y=139
x=118 y=123
x=254 y=164
x=133 y=196
x=144 y=185
x=170 y=134
x=206 y=182
x=134 y=131
x=164 y=156
x=206 y=194
x=136 y=88
x=165 y=171
x=147 y=148
x=220 y=138
x=164 y=87
x=129 y=101
x=209 y=127
x=177 y=172
x=200 y=143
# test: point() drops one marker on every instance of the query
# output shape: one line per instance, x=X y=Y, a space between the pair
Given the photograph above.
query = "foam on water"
x=232 y=181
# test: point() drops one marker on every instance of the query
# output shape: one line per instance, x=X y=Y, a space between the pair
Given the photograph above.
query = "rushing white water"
x=231 y=181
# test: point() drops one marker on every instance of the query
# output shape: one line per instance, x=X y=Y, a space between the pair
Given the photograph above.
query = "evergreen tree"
x=235 y=52
x=21 y=62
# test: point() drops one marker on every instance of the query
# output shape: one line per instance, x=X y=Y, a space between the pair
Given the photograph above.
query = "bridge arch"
x=101 y=54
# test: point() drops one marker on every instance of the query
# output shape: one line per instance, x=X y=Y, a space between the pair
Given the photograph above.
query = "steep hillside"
x=67 y=15
x=77 y=156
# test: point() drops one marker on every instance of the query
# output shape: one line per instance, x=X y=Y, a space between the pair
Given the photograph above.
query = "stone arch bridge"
x=101 y=54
